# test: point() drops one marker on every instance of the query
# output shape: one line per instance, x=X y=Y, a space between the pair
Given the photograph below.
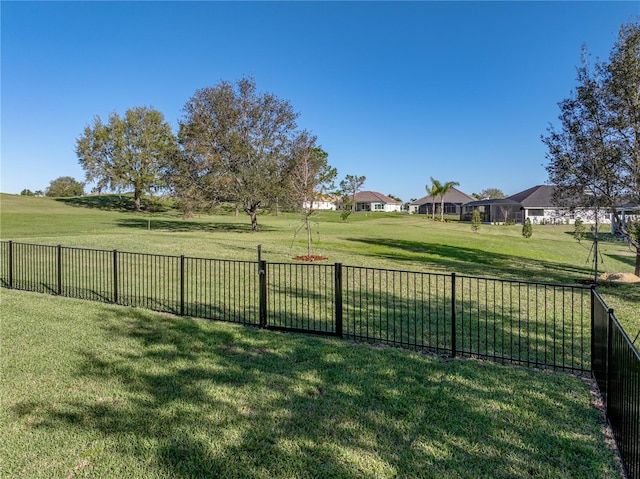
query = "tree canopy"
x=489 y=193
x=594 y=155
x=349 y=187
x=65 y=187
x=128 y=152
x=236 y=144
x=438 y=189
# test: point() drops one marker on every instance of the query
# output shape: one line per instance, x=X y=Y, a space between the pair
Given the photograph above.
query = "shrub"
x=578 y=229
x=475 y=221
x=527 y=228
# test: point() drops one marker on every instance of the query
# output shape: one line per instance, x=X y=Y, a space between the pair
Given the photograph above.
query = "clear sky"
x=397 y=92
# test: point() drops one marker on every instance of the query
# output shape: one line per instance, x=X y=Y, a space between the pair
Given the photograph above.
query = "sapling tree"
x=308 y=177
x=349 y=188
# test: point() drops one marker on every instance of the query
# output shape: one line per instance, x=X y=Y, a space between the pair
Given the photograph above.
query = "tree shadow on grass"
x=121 y=203
x=198 y=400
x=183 y=225
x=471 y=261
x=629 y=259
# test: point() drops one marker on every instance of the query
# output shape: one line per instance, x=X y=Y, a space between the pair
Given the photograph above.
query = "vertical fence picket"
x=262 y=273
x=115 y=276
x=338 y=300
x=182 y=285
x=453 y=315
x=59 y=268
x=10 y=264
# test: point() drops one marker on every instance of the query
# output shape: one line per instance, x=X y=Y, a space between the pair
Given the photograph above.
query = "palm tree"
x=443 y=191
x=434 y=191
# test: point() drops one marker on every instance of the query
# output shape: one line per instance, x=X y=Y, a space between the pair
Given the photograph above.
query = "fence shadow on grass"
x=195 y=400
x=472 y=261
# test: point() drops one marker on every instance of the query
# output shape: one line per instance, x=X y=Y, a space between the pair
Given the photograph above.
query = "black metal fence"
x=536 y=324
x=616 y=368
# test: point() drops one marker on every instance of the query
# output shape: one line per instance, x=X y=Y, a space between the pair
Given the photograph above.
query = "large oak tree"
x=594 y=155
x=65 y=187
x=131 y=151
x=236 y=142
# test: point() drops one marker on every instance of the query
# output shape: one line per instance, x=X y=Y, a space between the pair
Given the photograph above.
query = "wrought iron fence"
x=616 y=369
x=563 y=327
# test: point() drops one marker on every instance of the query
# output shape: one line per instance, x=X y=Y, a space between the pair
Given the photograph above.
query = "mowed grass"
x=101 y=391
x=395 y=241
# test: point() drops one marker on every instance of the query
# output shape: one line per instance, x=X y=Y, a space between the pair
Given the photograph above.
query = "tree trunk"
x=306 y=221
x=136 y=199
x=637 y=272
x=252 y=211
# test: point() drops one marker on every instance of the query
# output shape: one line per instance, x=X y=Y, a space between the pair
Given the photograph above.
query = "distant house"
x=626 y=213
x=497 y=210
x=374 y=201
x=535 y=203
x=323 y=202
x=453 y=201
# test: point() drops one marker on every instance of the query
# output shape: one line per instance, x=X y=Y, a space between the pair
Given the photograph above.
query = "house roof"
x=494 y=201
x=539 y=196
x=452 y=196
x=327 y=198
x=374 y=197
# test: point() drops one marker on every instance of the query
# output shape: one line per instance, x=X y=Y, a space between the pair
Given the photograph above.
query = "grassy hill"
x=395 y=241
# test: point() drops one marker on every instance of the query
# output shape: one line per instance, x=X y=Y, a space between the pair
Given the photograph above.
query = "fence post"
x=593 y=326
x=59 y=252
x=609 y=362
x=453 y=315
x=10 y=264
x=181 y=285
x=115 y=276
x=338 y=292
x=262 y=276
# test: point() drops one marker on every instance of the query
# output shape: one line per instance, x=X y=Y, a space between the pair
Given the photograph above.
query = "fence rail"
x=563 y=327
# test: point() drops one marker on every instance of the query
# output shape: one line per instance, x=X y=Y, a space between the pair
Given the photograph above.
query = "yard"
x=95 y=390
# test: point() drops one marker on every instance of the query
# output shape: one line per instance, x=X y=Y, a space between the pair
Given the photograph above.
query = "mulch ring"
x=310 y=258
x=611 y=279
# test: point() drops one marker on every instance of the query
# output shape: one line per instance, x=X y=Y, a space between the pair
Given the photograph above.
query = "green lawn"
x=101 y=391
x=395 y=241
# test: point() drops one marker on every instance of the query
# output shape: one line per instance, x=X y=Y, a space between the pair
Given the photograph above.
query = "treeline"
x=234 y=144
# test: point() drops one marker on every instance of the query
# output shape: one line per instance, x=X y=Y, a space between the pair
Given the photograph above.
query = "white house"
x=323 y=202
x=535 y=203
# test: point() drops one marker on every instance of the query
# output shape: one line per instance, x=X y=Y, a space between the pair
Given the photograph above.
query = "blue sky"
x=397 y=92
